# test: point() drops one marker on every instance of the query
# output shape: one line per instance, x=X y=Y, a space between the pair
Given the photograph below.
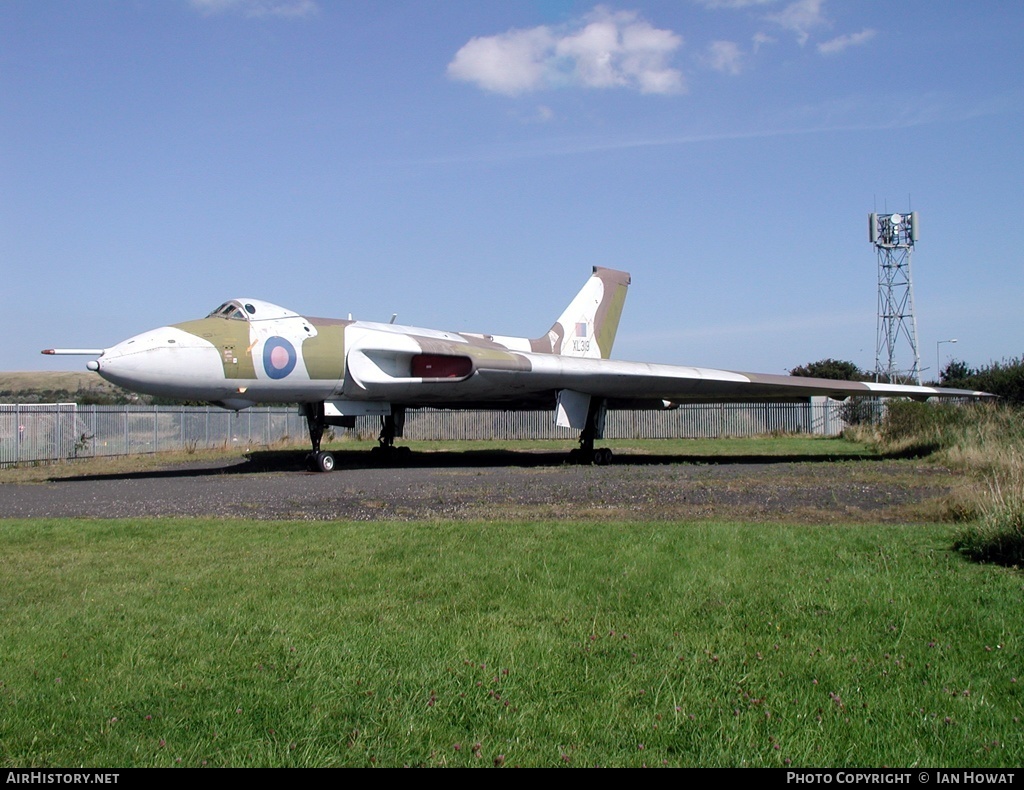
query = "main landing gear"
x=601 y=456
x=594 y=429
x=391 y=425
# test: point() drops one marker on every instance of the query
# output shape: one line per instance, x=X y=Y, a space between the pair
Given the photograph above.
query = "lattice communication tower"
x=894 y=236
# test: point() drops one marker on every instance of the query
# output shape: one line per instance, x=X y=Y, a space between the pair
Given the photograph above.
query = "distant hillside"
x=62 y=387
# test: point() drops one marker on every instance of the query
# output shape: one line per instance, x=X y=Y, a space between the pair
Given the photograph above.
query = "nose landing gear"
x=317 y=460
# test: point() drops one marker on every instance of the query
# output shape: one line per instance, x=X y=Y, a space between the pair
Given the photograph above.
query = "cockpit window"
x=231 y=310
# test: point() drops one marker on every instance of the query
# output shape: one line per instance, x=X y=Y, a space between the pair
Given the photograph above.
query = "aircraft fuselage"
x=249 y=351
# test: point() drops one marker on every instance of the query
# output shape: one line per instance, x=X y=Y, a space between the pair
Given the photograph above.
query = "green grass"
x=191 y=642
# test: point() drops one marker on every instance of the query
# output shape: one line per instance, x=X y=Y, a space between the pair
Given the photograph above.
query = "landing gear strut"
x=594 y=429
x=391 y=426
x=317 y=461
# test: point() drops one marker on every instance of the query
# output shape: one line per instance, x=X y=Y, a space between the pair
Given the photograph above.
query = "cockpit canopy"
x=250 y=310
x=231 y=310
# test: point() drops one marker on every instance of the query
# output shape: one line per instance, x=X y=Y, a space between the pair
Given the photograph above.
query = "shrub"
x=922 y=428
x=987 y=442
x=862 y=411
x=838 y=369
x=998 y=536
x=1005 y=378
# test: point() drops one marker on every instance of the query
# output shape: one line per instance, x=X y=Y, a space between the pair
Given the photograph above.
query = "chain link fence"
x=48 y=432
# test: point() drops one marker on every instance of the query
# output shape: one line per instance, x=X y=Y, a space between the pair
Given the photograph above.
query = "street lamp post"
x=938 y=361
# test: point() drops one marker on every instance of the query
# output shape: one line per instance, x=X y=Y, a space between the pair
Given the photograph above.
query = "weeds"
x=985 y=441
x=998 y=535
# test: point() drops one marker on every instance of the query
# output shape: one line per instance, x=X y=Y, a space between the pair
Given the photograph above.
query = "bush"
x=999 y=534
x=836 y=369
x=862 y=411
x=987 y=442
x=911 y=427
x=1005 y=379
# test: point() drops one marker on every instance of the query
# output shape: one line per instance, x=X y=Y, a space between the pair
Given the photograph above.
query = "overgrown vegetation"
x=80 y=396
x=986 y=441
x=63 y=387
x=998 y=536
x=85 y=389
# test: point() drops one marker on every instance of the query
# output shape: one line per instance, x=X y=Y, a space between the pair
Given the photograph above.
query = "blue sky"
x=465 y=164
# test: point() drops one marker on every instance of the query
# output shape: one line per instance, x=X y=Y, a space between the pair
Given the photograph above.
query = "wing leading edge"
x=682 y=384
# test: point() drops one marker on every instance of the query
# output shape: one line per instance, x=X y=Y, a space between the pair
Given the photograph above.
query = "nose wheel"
x=317 y=460
x=320 y=462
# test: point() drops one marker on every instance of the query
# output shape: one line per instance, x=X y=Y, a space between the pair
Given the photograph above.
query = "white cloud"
x=760 y=40
x=509 y=63
x=724 y=56
x=604 y=50
x=801 y=17
x=840 y=43
x=257 y=8
x=592 y=50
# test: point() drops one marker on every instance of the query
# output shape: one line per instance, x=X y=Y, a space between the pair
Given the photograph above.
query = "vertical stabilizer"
x=587 y=326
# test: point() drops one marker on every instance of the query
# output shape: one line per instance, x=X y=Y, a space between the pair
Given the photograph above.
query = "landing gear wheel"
x=388 y=453
x=323 y=462
x=599 y=457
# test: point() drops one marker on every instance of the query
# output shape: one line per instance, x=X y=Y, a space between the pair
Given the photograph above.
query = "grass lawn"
x=212 y=642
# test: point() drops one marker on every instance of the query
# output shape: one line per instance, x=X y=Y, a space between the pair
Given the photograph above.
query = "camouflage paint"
x=610 y=310
x=230 y=336
x=324 y=354
x=605 y=317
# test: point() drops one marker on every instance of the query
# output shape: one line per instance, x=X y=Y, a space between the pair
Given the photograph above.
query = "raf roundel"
x=278 y=357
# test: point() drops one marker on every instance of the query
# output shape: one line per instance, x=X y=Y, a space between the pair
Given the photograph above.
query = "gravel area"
x=498 y=485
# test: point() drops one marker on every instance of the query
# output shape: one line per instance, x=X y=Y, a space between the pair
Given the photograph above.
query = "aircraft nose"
x=165 y=361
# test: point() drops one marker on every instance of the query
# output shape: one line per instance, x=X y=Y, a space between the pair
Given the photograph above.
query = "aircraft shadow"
x=271 y=461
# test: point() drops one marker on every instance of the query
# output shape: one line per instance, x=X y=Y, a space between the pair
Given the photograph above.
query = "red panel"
x=438 y=366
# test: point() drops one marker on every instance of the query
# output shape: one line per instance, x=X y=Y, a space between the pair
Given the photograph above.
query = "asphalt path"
x=493 y=485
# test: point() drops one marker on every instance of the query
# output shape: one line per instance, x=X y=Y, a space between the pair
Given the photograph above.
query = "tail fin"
x=587 y=326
